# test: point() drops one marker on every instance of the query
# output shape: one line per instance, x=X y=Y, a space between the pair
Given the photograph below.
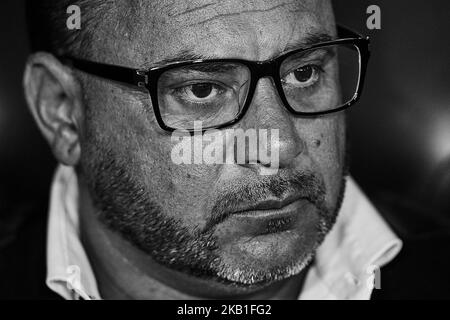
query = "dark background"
x=399 y=131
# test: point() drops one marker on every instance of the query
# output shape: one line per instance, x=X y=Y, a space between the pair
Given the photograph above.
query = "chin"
x=258 y=260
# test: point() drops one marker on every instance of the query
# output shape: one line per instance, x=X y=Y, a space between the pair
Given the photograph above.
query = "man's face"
x=222 y=222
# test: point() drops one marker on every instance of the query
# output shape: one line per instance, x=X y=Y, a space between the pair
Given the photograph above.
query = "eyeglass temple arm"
x=129 y=76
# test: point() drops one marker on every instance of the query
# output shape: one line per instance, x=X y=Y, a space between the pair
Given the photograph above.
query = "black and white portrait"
x=203 y=149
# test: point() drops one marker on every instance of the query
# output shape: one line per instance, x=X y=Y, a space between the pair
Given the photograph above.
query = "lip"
x=272 y=220
x=272 y=208
x=266 y=219
x=266 y=205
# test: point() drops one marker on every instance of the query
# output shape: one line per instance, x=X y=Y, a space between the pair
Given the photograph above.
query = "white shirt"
x=344 y=268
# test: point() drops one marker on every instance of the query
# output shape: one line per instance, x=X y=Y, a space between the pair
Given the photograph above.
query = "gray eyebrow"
x=184 y=55
x=211 y=68
x=310 y=40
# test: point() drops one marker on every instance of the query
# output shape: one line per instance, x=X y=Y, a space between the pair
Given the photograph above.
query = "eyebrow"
x=311 y=39
x=210 y=67
x=184 y=55
x=189 y=55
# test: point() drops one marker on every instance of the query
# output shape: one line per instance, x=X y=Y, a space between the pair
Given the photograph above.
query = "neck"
x=124 y=272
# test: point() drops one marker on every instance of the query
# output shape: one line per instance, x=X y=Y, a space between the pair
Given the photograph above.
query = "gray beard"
x=126 y=206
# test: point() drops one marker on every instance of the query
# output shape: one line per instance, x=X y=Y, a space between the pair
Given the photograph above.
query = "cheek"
x=182 y=190
x=326 y=147
x=130 y=129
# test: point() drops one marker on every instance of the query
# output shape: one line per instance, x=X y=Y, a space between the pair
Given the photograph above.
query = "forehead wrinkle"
x=150 y=15
x=266 y=10
x=192 y=10
x=230 y=36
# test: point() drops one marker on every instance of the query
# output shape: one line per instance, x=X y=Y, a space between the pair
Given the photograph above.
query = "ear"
x=54 y=98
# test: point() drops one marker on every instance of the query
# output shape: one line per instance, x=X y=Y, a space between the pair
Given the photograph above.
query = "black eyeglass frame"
x=148 y=79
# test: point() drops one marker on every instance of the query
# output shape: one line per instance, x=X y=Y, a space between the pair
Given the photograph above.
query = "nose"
x=267 y=112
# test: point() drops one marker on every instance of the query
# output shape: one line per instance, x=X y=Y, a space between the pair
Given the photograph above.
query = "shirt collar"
x=352 y=254
x=69 y=272
x=359 y=242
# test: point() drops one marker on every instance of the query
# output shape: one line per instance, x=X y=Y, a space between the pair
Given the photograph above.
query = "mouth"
x=271 y=208
x=272 y=231
x=272 y=216
x=269 y=215
x=272 y=219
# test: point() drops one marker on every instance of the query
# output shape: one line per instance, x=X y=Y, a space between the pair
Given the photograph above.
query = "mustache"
x=304 y=185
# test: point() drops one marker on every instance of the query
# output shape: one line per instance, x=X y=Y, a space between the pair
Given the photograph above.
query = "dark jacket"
x=420 y=271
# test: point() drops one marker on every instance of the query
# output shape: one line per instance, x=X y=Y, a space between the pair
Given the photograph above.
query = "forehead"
x=150 y=31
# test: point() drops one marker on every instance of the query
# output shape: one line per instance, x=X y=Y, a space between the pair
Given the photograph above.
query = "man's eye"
x=303 y=77
x=201 y=91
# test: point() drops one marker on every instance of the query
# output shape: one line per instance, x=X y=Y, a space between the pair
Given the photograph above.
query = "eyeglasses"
x=321 y=79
